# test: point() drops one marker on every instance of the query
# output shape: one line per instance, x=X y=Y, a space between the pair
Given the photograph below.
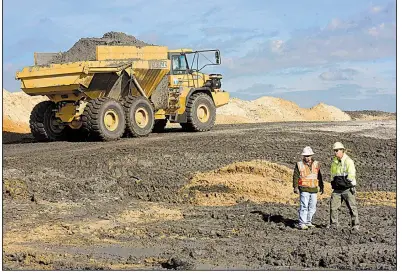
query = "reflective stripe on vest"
x=308 y=178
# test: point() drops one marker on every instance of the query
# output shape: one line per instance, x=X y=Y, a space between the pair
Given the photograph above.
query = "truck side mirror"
x=217 y=57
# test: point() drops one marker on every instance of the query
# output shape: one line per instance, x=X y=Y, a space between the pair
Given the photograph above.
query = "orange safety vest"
x=308 y=178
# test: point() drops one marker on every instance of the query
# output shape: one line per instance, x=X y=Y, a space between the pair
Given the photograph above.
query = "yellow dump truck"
x=126 y=90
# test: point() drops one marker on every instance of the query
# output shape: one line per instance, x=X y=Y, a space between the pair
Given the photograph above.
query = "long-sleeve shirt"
x=343 y=173
x=296 y=177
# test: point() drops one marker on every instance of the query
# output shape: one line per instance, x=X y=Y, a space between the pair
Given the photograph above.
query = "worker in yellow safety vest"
x=343 y=182
x=307 y=180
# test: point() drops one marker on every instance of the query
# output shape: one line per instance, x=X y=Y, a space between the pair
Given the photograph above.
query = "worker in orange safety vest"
x=307 y=181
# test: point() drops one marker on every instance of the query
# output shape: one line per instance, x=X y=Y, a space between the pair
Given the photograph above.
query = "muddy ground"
x=120 y=205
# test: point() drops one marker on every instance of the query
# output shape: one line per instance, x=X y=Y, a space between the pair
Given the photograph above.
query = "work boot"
x=310 y=225
x=303 y=227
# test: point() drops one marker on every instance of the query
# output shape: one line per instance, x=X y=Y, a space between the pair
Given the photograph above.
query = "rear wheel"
x=45 y=127
x=159 y=125
x=201 y=113
x=139 y=115
x=103 y=119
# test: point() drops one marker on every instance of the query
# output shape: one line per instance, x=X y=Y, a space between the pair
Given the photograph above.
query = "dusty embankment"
x=270 y=109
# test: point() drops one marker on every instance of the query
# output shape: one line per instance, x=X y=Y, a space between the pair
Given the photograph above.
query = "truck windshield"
x=179 y=64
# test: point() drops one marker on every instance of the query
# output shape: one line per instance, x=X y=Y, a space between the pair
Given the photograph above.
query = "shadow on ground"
x=17 y=138
x=275 y=218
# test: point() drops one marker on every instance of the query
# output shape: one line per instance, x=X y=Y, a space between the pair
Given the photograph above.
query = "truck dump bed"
x=147 y=64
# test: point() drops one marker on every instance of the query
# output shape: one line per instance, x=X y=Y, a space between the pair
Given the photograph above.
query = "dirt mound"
x=257 y=181
x=15 y=189
x=260 y=182
x=270 y=109
x=16 y=127
x=85 y=48
x=323 y=112
x=231 y=119
x=151 y=213
x=17 y=107
x=370 y=115
x=384 y=198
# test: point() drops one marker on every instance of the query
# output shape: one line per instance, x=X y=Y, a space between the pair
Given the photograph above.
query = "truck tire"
x=139 y=115
x=103 y=119
x=201 y=113
x=43 y=123
x=159 y=125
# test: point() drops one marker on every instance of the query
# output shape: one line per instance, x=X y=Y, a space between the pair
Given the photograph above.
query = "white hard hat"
x=338 y=145
x=307 y=151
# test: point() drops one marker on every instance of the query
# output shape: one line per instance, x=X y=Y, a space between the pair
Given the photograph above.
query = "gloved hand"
x=296 y=190
x=322 y=191
x=353 y=190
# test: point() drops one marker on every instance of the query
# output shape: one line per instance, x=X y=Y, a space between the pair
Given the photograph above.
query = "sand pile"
x=16 y=127
x=85 y=48
x=270 y=109
x=323 y=112
x=17 y=107
x=257 y=181
x=260 y=182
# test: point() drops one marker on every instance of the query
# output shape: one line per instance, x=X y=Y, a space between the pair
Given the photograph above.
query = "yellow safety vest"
x=308 y=178
x=343 y=167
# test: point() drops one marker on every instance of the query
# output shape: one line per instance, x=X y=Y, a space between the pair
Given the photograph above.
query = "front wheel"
x=201 y=113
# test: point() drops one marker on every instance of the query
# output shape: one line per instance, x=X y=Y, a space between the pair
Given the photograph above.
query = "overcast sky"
x=342 y=53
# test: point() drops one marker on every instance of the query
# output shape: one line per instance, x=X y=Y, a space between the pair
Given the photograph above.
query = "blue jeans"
x=308 y=203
